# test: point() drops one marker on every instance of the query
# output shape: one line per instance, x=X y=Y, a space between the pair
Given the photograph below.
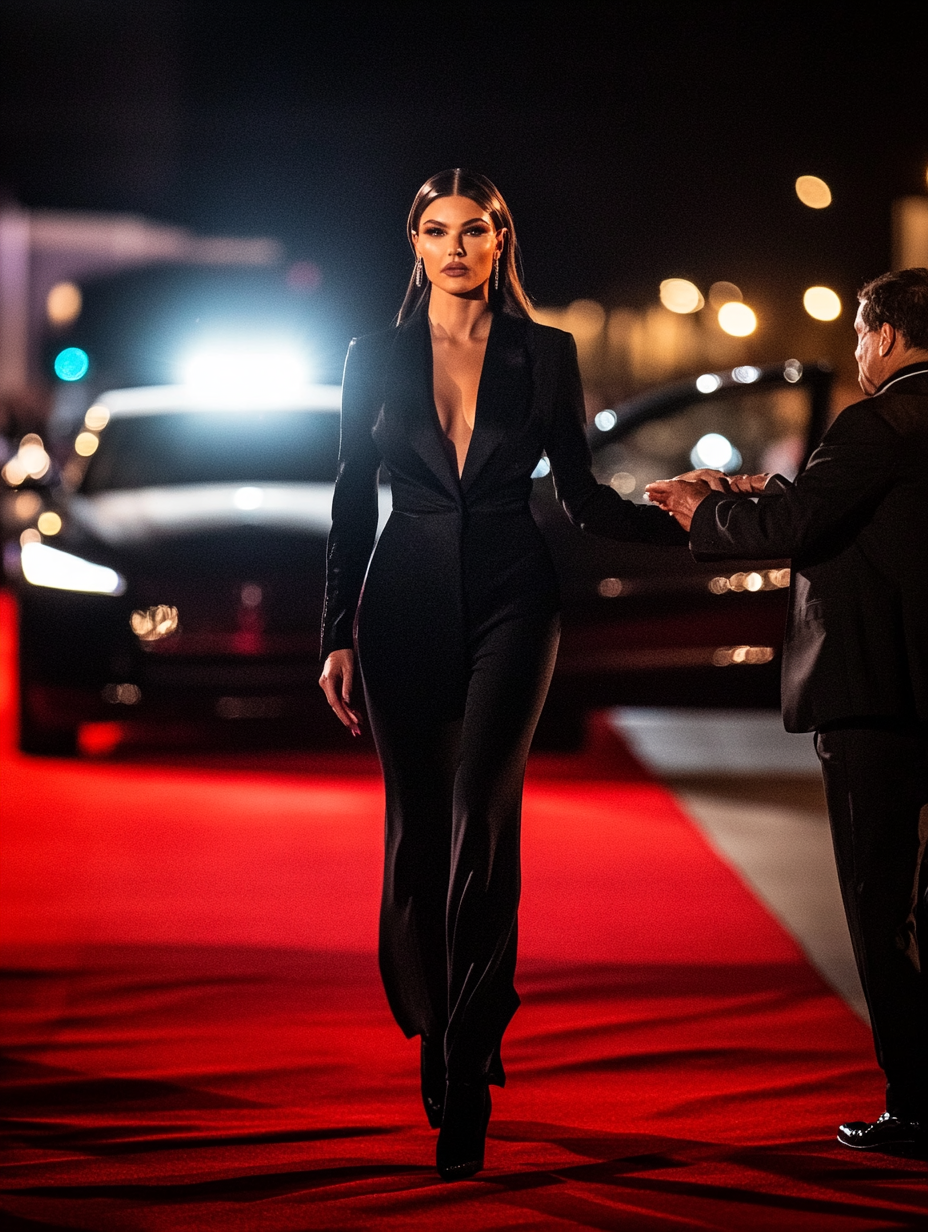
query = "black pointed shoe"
x=432 y=1072
x=885 y=1132
x=461 y=1143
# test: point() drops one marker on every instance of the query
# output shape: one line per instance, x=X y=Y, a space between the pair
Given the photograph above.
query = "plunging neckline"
x=449 y=448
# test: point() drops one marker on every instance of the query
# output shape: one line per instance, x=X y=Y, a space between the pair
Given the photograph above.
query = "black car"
x=652 y=627
x=178 y=568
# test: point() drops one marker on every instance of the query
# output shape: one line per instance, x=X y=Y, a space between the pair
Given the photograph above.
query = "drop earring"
x=496 y=273
x=418 y=271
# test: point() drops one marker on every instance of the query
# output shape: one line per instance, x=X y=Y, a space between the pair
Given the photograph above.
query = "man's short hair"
x=899 y=300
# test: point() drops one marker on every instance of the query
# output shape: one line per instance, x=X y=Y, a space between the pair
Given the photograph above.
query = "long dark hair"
x=510 y=296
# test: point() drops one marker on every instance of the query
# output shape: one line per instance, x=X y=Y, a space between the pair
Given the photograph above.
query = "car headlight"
x=45 y=566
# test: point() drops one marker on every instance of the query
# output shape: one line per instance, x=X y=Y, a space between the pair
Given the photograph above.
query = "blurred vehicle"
x=652 y=627
x=178 y=568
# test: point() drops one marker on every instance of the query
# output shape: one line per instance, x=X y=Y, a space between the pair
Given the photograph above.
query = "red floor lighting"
x=194 y=1035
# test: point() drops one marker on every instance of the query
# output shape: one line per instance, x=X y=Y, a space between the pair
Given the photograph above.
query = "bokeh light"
x=86 y=444
x=726 y=656
x=72 y=364
x=724 y=293
x=49 y=523
x=767 y=579
x=63 y=303
x=624 y=483
x=813 y=192
x=610 y=587
x=708 y=383
x=150 y=624
x=31 y=461
x=585 y=319
x=26 y=506
x=716 y=452
x=822 y=303
x=737 y=319
x=680 y=295
x=97 y=417
x=124 y=694
x=746 y=374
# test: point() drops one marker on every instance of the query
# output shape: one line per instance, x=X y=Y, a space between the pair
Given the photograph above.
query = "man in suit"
x=855 y=662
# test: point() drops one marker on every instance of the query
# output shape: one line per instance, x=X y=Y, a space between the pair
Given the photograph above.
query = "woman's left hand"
x=336 y=681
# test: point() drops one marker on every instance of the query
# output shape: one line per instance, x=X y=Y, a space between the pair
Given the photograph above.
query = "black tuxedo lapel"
x=410 y=395
x=503 y=395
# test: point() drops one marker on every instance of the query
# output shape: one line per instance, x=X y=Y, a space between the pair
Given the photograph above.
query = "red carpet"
x=194 y=1035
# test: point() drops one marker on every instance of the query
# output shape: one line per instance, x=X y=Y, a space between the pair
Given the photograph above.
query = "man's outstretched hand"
x=679 y=497
x=683 y=495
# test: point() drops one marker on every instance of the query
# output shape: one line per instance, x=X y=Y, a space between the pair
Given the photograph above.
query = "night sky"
x=633 y=142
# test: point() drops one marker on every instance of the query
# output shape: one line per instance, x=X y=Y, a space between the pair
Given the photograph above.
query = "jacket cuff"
x=703 y=526
x=337 y=635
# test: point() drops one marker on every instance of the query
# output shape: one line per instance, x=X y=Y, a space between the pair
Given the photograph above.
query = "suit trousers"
x=876 y=786
x=453 y=756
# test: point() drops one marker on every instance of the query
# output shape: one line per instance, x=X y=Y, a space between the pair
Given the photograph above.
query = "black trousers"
x=453 y=751
x=876 y=785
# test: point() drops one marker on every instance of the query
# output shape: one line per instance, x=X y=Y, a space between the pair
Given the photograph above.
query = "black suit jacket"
x=451 y=536
x=855 y=523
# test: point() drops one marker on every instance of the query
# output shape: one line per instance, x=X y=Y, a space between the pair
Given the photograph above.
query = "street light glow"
x=813 y=192
x=85 y=445
x=49 y=523
x=63 y=303
x=737 y=319
x=708 y=383
x=715 y=451
x=680 y=295
x=97 y=417
x=31 y=461
x=745 y=374
x=821 y=303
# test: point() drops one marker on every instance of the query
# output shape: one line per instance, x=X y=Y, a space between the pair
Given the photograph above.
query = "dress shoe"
x=886 y=1131
x=459 y=1153
x=432 y=1072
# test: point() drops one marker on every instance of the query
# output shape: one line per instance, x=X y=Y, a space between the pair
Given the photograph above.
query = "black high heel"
x=460 y=1150
x=432 y=1073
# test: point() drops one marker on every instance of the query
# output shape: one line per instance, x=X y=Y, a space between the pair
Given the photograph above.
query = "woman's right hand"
x=336 y=681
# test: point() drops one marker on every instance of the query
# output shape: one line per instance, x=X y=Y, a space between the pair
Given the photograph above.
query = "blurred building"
x=46 y=254
x=623 y=350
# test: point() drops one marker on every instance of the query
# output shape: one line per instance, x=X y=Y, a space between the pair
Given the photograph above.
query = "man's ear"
x=887 y=339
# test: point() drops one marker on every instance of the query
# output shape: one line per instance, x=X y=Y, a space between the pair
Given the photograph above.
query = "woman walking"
x=457 y=626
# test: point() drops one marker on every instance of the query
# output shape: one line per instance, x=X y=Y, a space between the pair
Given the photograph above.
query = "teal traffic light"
x=72 y=364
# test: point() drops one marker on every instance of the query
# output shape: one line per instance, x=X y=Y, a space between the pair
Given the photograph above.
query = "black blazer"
x=530 y=402
x=855 y=523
